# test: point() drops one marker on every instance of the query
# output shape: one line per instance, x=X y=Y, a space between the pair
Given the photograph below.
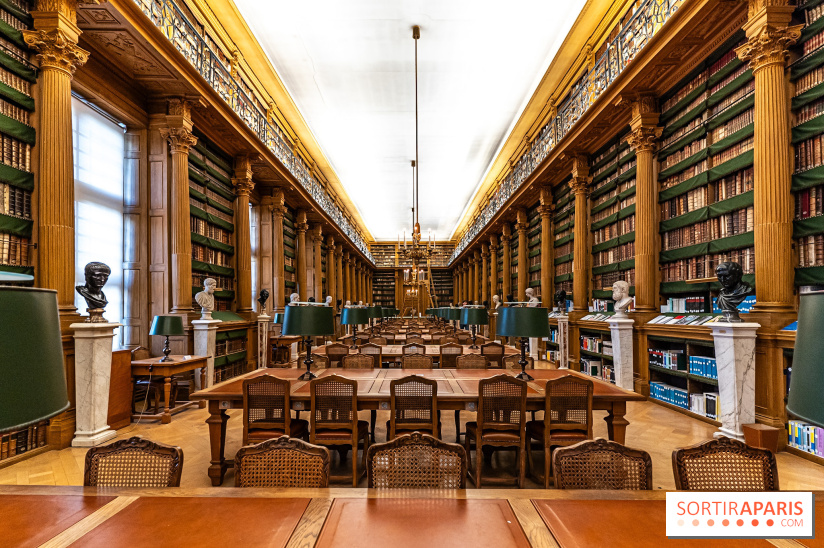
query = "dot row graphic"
x=725 y=523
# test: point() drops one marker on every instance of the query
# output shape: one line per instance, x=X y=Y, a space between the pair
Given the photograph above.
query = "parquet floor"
x=652 y=428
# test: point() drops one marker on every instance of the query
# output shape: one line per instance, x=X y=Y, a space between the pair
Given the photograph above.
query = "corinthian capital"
x=56 y=50
x=769 y=46
x=180 y=139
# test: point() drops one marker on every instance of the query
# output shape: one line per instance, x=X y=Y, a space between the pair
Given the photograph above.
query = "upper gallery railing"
x=174 y=24
x=638 y=30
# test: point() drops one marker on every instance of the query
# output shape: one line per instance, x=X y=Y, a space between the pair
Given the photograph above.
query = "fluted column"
x=522 y=226
x=331 y=270
x=644 y=140
x=768 y=37
x=55 y=41
x=580 y=273
x=547 y=248
x=506 y=244
x=301 y=226
x=278 y=268
x=242 y=181
x=493 y=266
x=484 y=273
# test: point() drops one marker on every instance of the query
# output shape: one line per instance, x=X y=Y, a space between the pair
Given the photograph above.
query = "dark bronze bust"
x=97 y=274
x=733 y=290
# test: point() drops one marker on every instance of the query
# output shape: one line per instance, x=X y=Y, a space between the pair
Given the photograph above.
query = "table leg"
x=616 y=423
x=167 y=394
x=217 y=440
x=202 y=403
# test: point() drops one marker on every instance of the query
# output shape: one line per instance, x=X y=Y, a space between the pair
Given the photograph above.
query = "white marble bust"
x=620 y=294
x=533 y=301
x=206 y=298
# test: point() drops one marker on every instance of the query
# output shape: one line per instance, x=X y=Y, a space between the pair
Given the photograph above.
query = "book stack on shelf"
x=533 y=236
x=230 y=354
x=806 y=437
x=564 y=222
x=612 y=214
x=705 y=172
x=211 y=220
x=807 y=73
x=290 y=249
x=22 y=441
x=680 y=374
x=17 y=137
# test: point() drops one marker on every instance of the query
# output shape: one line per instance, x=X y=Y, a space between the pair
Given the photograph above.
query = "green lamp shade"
x=452 y=314
x=807 y=379
x=166 y=325
x=474 y=316
x=522 y=322
x=33 y=388
x=374 y=312
x=308 y=321
x=354 y=316
x=278 y=319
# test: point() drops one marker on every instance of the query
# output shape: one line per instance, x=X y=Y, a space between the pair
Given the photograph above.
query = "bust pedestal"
x=563 y=342
x=621 y=330
x=93 y=372
x=263 y=339
x=205 y=333
x=735 y=357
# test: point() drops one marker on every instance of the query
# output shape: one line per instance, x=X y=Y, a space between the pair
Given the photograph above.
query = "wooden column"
x=301 y=226
x=493 y=267
x=340 y=290
x=580 y=272
x=506 y=244
x=242 y=181
x=484 y=273
x=278 y=268
x=55 y=41
x=331 y=270
x=547 y=248
x=644 y=140
x=768 y=37
x=317 y=239
x=522 y=226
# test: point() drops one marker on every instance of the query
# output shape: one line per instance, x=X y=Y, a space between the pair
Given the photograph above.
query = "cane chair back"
x=602 y=464
x=379 y=340
x=416 y=461
x=413 y=348
x=511 y=362
x=282 y=462
x=265 y=407
x=135 y=462
x=413 y=406
x=471 y=361
x=495 y=352
x=336 y=352
x=416 y=361
x=358 y=361
x=449 y=352
x=724 y=464
x=373 y=350
x=414 y=340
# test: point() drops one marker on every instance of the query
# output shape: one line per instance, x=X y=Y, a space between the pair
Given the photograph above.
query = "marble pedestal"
x=263 y=339
x=621 y=330
x=735 y=357
x=93 y=372
x=205 y=333
x=563 y=342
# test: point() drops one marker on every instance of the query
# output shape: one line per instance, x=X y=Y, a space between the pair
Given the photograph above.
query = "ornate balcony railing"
x=174 y=24
x=636 y=33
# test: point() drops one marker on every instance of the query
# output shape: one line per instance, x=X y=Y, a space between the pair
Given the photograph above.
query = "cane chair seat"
x=602 y=464
x=335 y=352
x=724 y=464
x=135 y=462
x=416 y=361
x=449 y=353
x=494 y=352
x=416 y=461
x=282 y=463
x=358 y=361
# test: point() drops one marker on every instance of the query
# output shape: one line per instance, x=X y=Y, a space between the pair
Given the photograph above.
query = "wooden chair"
x=471 y=361
x=416 y=461
x=413 y=402
x=379 y=340
x=283 y=462
x=417 y=361
x=413 y=348
x=373 y=350
x=602 y=464
x=358 y=361
x=335 y=352
x=449 y=352
x=415 y=340
x=511 y=362
x=501 y=422
x=495 y=352
x=135 y=462
x=567 y=419
x=724 y=464
x=334 y=417
x=267 y=410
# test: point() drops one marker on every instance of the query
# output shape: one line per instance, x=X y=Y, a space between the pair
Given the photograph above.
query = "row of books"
x=704 y=266
x=813 y=43
x=613 y=255
x=211 y=256
x=669 y=359
x=703 y=366
x=809 y=111
x=811 y=250
x=21 y=441
x=199 y=226
x=686 y=305
x=808 y=153
x=808 y=202
x=805 y=436
x=592 y=344
x=692 y=148
x=15 y=201
x=622 y=226
x=14 y=250
x=609 y=278
x=738 y=95
x=739 y=122
x=224 y=283
x=705 y=404
x=733 y=151
x=684 y=320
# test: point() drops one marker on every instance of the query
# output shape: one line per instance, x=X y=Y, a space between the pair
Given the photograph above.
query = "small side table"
x=179 y=364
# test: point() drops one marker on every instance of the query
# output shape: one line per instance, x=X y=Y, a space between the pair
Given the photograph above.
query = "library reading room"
x=234 y=311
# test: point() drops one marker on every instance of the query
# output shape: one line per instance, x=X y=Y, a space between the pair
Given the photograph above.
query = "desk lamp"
x=166 y=325
x=474 y=316
x=524 y=323
x=312 y=320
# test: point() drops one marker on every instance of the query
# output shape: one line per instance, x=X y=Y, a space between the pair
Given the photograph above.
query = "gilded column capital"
x=56 y=50
x=180 y=139
x=769 y=46
x=644 y=138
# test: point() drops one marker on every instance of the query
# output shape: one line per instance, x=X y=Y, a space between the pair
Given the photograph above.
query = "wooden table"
x=282 y=344
x=155 y=367
x=60 y=516
x=457 y=390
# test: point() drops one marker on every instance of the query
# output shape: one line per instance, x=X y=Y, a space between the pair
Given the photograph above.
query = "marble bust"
x=733 y=290
x=206 y=298
x=264 y=296
x=560 y=299
x=96 y=274
x=533 y=301
x=620 y=294
x=496 y=302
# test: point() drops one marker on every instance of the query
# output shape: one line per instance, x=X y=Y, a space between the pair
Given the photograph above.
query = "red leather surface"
x=31 y=520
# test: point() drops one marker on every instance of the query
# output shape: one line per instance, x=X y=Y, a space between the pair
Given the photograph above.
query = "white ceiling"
x=349 y=66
